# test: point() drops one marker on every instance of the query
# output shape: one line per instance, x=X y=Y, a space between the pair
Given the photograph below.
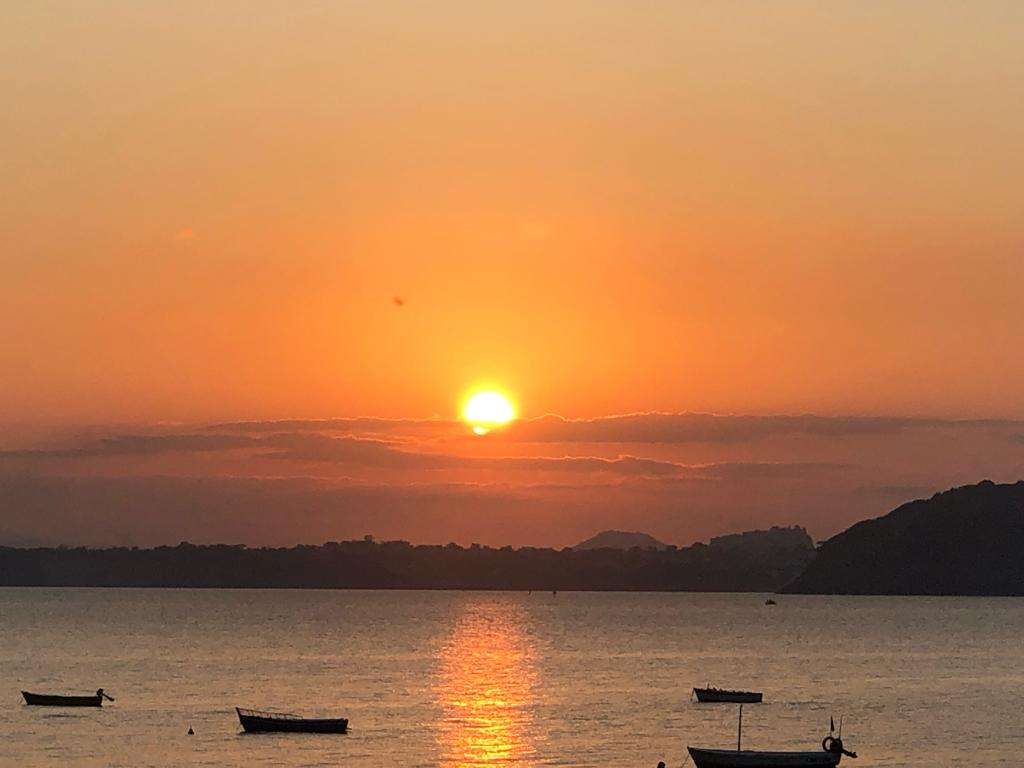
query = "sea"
x=506 y=678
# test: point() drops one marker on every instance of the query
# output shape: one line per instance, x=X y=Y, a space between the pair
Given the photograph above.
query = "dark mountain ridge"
x=964 y=541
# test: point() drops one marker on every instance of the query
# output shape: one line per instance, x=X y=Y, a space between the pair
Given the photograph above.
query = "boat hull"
x=46 y=700
x=267 y=723
x=716 y=696
x=731 y=758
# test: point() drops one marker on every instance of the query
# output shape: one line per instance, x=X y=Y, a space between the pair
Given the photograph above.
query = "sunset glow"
x=485 y=688
x=488 y=410
x=505 y=273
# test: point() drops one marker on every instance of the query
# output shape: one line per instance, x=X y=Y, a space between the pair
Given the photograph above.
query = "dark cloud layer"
x=540 y=481
x=386 y=455
x=389 y=455
x=380 y=454
x=139 y=445
x=671 y=428
x=654 y=428
x=354 y=425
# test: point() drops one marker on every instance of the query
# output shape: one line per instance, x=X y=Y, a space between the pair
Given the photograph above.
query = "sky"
x=622 y=214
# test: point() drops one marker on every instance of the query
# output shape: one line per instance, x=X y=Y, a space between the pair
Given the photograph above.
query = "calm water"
x=488 y=679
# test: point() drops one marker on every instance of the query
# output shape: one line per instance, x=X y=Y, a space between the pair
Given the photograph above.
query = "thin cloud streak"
x=348 y=425
x=675 y=428
x=652 y=427
x=387 y=455
x=139 y=445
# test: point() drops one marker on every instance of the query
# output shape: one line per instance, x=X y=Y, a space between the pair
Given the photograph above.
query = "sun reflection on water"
x=486 y=689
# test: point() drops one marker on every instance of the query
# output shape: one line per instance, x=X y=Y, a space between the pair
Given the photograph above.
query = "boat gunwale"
x=268 y=715
x=750 y=757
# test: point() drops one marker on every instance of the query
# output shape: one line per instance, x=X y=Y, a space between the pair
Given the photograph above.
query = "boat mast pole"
x=739 y=730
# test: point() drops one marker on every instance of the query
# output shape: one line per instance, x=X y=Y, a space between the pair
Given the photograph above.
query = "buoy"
x=190 y=731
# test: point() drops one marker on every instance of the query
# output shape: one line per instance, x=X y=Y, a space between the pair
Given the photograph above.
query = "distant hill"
x=621 y=540
x=965 y=541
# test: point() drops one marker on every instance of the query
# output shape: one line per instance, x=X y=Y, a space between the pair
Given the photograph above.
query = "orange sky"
x=603 y=208
x=606 y=207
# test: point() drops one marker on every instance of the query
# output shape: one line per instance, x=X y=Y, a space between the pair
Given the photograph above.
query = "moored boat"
x=747 y=758
x=256 y=721
x=831 y=753
x=50 y=700
x=719 y=695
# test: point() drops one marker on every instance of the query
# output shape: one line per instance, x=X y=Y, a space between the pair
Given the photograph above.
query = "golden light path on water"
x=485 y=689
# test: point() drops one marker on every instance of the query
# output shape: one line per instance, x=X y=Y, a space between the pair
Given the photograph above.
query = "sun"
x=488 y=410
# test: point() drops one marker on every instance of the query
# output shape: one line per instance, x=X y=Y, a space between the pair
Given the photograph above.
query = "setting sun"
x=487 y=410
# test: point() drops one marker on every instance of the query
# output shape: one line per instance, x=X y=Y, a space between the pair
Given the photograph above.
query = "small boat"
x=769 y=601
x=831 y=753
x=48 y=700
x=719 y=696
x=749 y=758
x=255 y=721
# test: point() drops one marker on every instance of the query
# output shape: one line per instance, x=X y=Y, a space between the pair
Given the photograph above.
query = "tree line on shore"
x=760 y=561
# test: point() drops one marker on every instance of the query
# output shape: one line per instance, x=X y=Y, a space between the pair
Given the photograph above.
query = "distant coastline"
x=757 y=561
x=964 y=541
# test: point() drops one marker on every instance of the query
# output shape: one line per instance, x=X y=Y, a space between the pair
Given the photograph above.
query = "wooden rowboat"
x=747 y=758
x=718 y=696
x=50 y=700
x=831 y=753
x=255 y=721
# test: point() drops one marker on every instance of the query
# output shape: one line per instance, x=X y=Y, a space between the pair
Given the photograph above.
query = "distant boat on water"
x=50 y=700
x=769 y=601
x=720 y=696
x=256 y=721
